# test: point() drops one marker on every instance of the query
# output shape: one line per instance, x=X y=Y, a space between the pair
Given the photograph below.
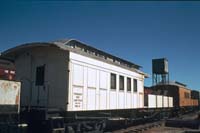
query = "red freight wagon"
x=7 y=70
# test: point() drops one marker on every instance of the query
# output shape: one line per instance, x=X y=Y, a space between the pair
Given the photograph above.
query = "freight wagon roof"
x=6 y=64
x=174 y=83
x=75 y=46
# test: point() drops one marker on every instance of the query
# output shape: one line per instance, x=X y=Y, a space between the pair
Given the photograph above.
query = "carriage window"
x=40 y=75
x=113 y=81
x=187 y=95
x=121 y=82
x=135 y=85
x=128 y=84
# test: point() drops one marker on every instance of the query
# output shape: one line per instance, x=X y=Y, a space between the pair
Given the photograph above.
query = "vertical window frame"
x=121 y=83
x=135 y=86
x=113 y=81
x=129 y=85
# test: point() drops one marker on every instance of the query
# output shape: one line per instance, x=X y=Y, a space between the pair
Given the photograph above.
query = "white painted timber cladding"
x=113 y=100
x=121 y=100
x=93 y=76
x=104 y=80
x=103 y=99
x=135 y=100
x=159 y=101
x=91 y=99
x=128 y=100
x=151 y=101
x=165 y=102
x=141 y=104
x=140 y=83
x=78 y=75
x=170 y=101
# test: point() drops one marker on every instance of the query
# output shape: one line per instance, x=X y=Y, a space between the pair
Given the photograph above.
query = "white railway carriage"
x=165 y=101
x=170 y=101
x=151 y=101
x=72 y=76
x=158 y=101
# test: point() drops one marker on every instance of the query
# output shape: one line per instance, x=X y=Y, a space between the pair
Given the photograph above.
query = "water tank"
x=160 y=66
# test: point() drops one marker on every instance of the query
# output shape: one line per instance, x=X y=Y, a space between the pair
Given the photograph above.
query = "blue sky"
x=136 y=31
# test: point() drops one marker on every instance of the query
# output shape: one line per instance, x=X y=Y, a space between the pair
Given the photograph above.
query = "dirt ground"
x=163 y=129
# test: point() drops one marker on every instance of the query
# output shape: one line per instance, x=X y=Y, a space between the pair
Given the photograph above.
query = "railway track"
x=149 y=125
x=140 y=128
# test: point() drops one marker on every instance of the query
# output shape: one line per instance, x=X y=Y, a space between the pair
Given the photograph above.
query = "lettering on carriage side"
x=78 y=101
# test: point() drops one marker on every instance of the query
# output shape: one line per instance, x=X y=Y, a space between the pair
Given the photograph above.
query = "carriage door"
x=40 y=89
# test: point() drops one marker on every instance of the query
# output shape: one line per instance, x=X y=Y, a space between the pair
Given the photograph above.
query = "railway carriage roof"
x=75 y=46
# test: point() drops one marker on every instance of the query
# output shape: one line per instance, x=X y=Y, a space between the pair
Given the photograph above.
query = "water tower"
x=160 y=73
